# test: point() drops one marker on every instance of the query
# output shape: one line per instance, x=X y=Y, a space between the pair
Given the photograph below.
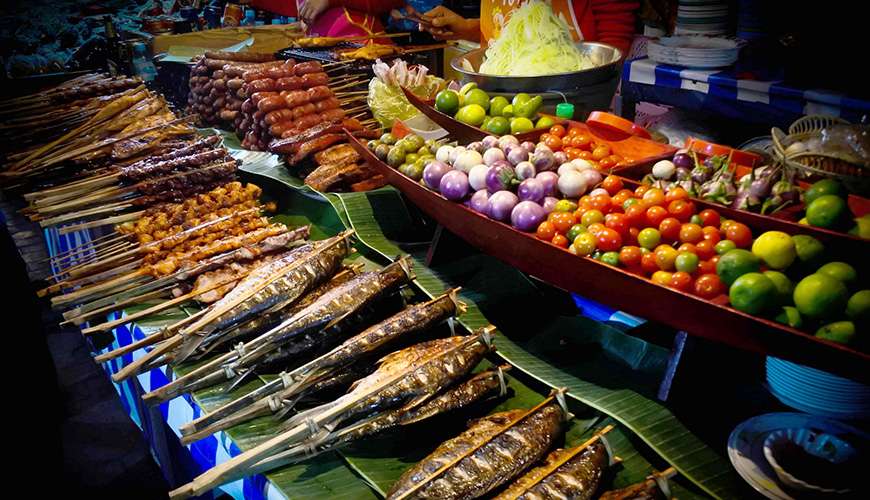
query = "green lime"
x=468 y=87
x=790 y=316
x=807 y=248
x=723 y=247
x=396 y=157
x=820 y=296
x=610 y=258
x=752 y=293
x=862 y=227
x=858 y=307
x=497 y=104
x=507 y=111
x=565 y=206
x=784 y=286
x=827 y=211
x=498 y=125
x=822 y=188
x=775 y=248
x=575 y=231
x=841 y=271
x=521 y=125
x=544 y=122
x=447 y=101
x=736 y=263
x=686 y=261
x=486 y=122
x=477 y=96
x=842 y=332
x=472 y=114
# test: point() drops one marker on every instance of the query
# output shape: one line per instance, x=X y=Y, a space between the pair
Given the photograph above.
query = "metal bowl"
x=605 y=56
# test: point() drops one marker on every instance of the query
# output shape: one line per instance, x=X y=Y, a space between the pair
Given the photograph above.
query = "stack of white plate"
x=702 y=17
x=694 y=51
x=817 y=392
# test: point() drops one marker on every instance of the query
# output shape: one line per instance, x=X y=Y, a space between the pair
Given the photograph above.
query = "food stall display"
x=328 y=342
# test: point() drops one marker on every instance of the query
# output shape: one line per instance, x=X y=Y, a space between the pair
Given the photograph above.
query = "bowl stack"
x=702 y=17
x=694 y=51
x=817 y=392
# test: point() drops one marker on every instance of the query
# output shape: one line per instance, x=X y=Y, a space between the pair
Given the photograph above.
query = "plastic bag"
x=386 y=99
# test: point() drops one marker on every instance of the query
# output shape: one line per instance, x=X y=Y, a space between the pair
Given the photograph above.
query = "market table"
x=725 y=93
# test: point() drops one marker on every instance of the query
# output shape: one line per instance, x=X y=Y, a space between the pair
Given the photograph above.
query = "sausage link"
x=271 y=104
x=262 y=85
x=278 y=115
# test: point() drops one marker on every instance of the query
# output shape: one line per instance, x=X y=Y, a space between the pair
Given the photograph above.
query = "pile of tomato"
x=659 y=235
x=576 y=143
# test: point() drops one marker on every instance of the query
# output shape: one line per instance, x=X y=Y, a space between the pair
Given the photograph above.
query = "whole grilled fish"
x=478 y=387
x=259 y=324
x=414 y=318
x=279 y=281
x=576 y=478
x=406 y=378
x=321 y=323
x=490 y=453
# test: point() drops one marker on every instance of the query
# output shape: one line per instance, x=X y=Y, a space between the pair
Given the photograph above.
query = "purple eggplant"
x=501 y=176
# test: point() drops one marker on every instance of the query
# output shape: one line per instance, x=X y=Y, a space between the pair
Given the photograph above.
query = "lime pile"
x=496 y=115
x=409 y=155
x=826 y=207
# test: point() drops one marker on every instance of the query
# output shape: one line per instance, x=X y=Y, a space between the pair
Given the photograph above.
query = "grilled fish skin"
x=497 y=458
x=578 y=478
x=646 y=490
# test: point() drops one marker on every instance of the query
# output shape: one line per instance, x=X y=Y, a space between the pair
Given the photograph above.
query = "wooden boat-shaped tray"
x=619 y=288
x=790 y=215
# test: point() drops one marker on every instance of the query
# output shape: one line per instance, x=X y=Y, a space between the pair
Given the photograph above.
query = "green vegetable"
x=497 y=104
x=529 y=107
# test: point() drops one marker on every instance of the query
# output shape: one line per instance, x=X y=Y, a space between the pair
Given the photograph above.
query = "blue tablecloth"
x=644 y=79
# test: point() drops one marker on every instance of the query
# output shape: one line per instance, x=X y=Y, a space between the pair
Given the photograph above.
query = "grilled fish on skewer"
x=483 y=385
x=412 y=374
x=414 y=318
x=491 y=452
x=318 y=326
x=574 y=473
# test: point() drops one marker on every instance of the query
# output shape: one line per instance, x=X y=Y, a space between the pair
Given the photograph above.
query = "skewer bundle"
x=215 y=85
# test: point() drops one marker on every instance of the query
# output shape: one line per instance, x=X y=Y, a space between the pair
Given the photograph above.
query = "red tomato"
x=546 y=231
x=574 y=131
x=676 y=193
x=585 y=202
x=681 y=281
x=654 y=196
x=711 y=234
x=670 y=229
x=606 y=163
x=630 y=256
x=640 y=190
x=562 y=221
x=708 y=266
x=681 y=209
x=688 y=247
x=571 y=153
x=584 y=155
x=709 y=217
x=631 y=237
x=690 y=233
x=655 y=215
x=617 y=222
x=612 y=184
x=704 y=249
x=557 y=130
x=560 y=241
x=709 y=286
x=619 y=198
x=636 y=215
x=601 y=202
x=553 y=142
x=595 y=228
x=740 y=234
x=609 y=240
x=584 y=141
x=601 y=152
x=648 y=263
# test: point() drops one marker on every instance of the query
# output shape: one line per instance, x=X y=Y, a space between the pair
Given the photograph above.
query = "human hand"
x=310 y=9
x=444 y=24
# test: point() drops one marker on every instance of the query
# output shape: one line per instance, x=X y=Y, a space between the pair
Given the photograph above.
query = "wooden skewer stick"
x=84 y=256
x=159 y=307
x=72 y=186
x=166 y=333
x=116 y=219
x=112 y=207
x=87 y=245
x=81 y=318
x=107 y=285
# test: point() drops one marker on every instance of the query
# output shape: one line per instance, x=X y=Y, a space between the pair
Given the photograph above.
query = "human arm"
x=445 y=24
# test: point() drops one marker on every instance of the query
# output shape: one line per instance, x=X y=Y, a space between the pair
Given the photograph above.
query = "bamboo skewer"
x=165 y=333
x=160 y=307
x=117 y=219
x=86 y=245
x=60 y=219
x=81 y=318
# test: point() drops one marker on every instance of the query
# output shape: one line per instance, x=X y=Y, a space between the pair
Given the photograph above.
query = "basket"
x=854 y=177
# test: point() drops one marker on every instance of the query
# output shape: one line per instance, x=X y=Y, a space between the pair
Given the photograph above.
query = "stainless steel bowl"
x=606 y=59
